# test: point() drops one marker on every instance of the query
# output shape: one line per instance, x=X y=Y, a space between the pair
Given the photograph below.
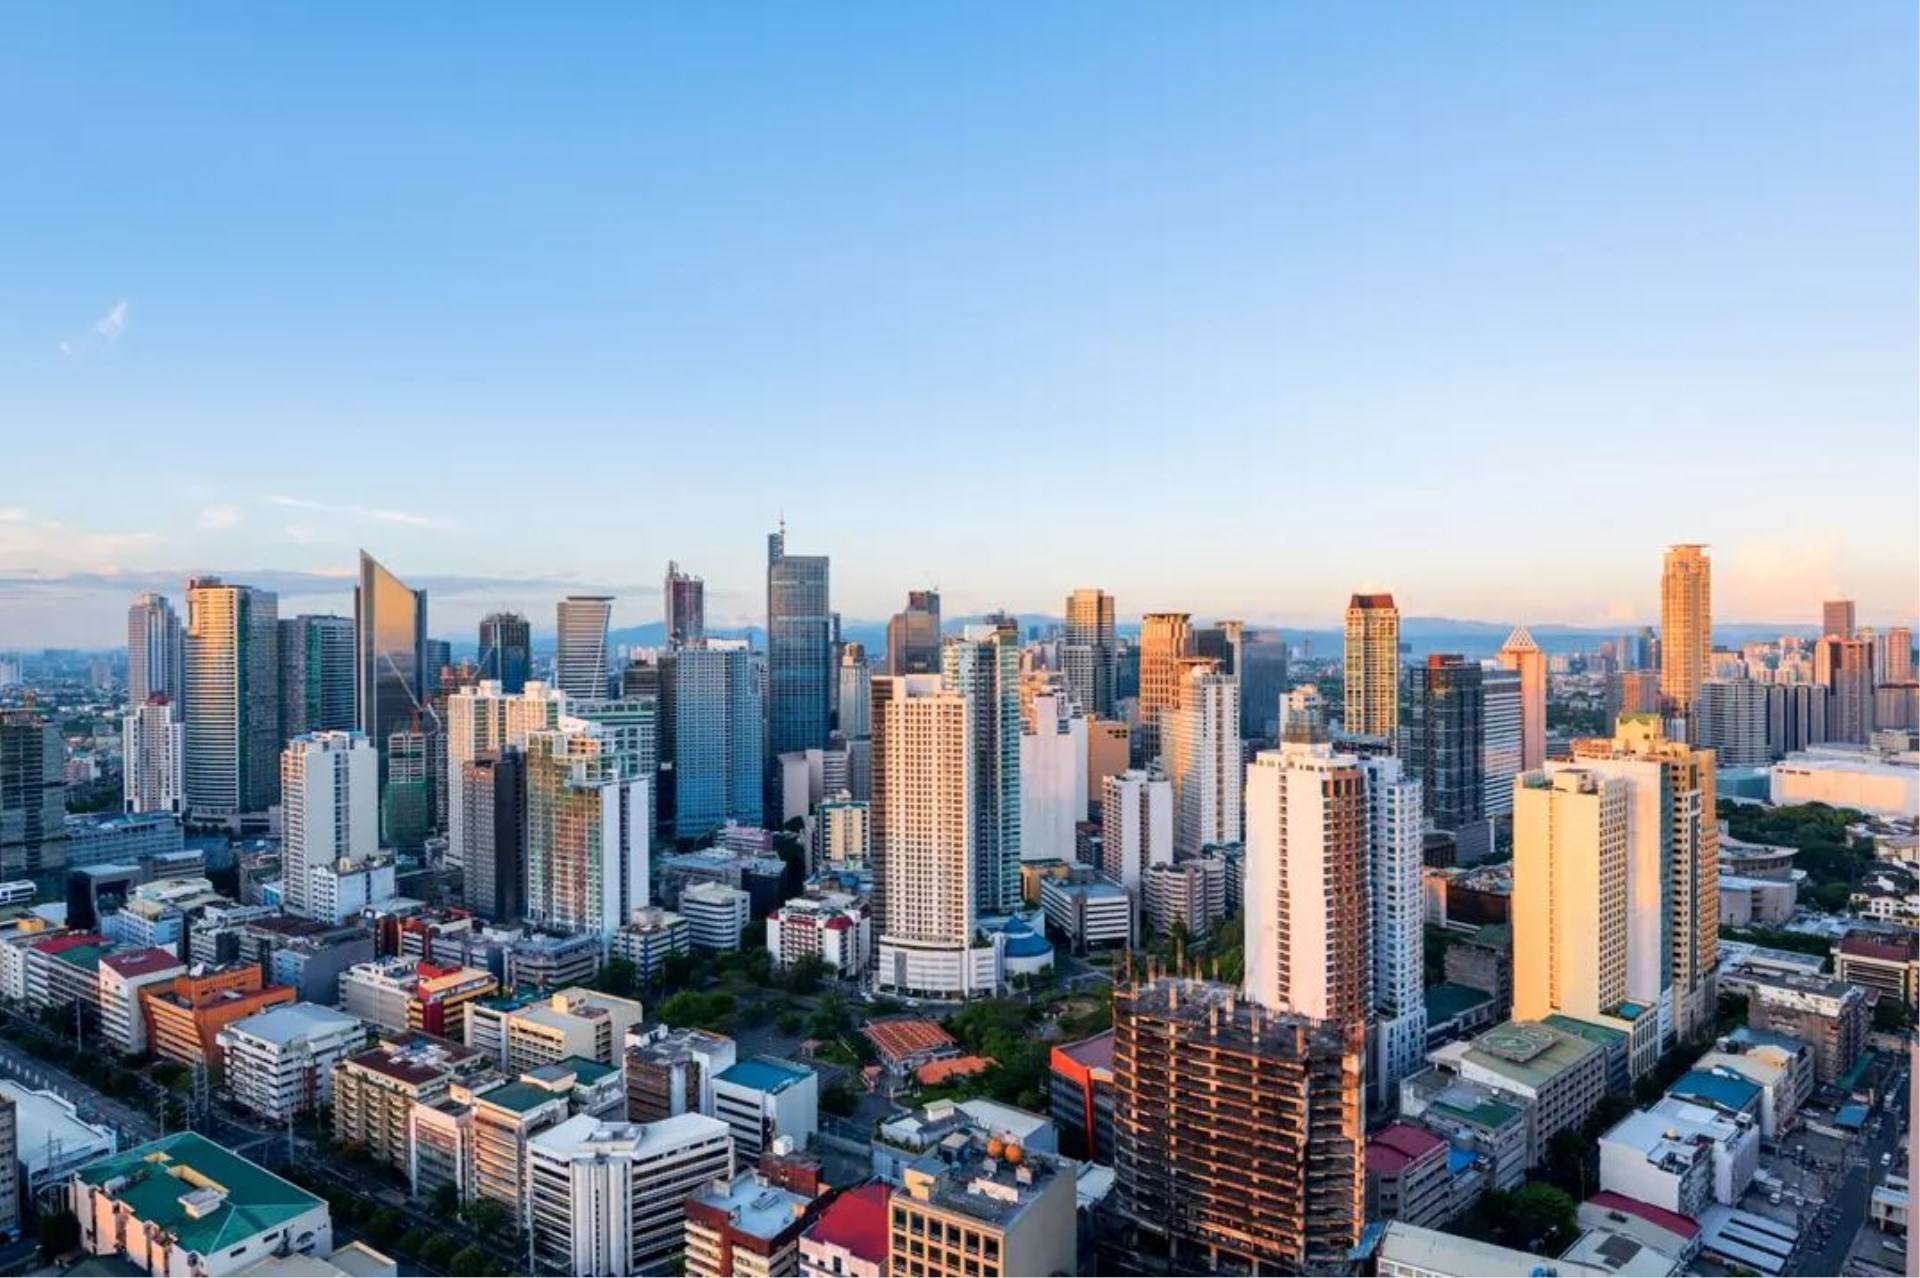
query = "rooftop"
x=43 y=1121
x=764 y=1074
x=857 y=1221
x=1447 y=1000
x=1529 y=1053
x=1093 y=1053
x=138 y=963
x=755 y=1205
x=292 y=1022
x=1671 y=1221
x=1880 y=945
x=415 y=1059
x=1393 y=1148
x=1616 y=1253
x=1442 y=1253
x=584 y=1134
x=1725 y=1090
x=207 y=1197
x=897 y=1040
x=934 y=1073
x=519 y=1097
x=967 y=1181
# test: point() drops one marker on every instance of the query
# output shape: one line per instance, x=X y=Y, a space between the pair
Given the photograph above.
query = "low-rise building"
x=1747 y=901
x=591 y=1088
x=649 y=938
x=1829 y=1015
x=671 y=1071
x=184 y=1019
x=1089 y=911
x=988 y=1208
x=375 y=1092
x=523 y=1033
x=835 y=927
x=1492 y=1125
x=280 y=1062
x=1561 y=1075
x=1680 y=1156
x=122 y=977
x=1408 y=1177
x=543 y=961
x=716 y=914
x=1191 y=893
x=1667 y=1232
x=1080 y=1097
x=1409 y=1251
x=747 y=1226
x=1779 y=1065
x=50 y=1138
x=763 y=1099
x=1883 y=960
x=905 y=1138
x=849 y=1238
x=608 y=1198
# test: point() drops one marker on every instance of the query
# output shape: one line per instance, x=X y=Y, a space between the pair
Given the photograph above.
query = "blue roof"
x=764 y=1074
x=1023 y=943
x=1852 y=1116
x=1458 y=1160
x=1721 y=1089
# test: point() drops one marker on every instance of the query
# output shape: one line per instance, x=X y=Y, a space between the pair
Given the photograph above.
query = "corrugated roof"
x=159 y=1174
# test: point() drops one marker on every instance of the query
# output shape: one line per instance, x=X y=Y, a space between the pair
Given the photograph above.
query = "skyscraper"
x=33 y=799
x=913 y=635
x=1502 y=727
x=711 y=711
x=982 y=665
x=799 y=652
x=587 y=840
x=1836 y=619
x=1899 y=664
x=1089 y=651
x=1397 y=1023
x=483 y=722
x=406 y=800
x=1165 y=637
x=1053 y=771
x=1796 y=717
x=1522 y=655
x=1136 y=827
x=1632 y=692
x=1844 y=667
x=1200 y=745
x=1263 y=682
x=316 y=675
x=1733 y=722
x=493 y=818
x=1686 y=628
x=1443 y=739
x=329 y=789
x=232 y=698
x=1224 y=642
x=580 y=652
x=856 y=693
x=506 y=650
x=390 y=651
x=685 y=600
x=155 y=652
x=152 y=748
x=1373 y=668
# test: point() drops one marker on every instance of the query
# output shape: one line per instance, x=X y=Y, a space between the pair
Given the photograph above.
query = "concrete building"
x=1053 y=773
x=1443 y=739
x=648 y=938
x=520 y=1034
x=51 y=1140
x=231 y=698
x=587 y=830
x=1090 y=652
x=123 y=977
x=1200 y=750
x=1559 y=1076
x=1493 y=1126
x=155 y=651
x=1880 y=785
x=1190 y=894
x=749 y=1226
x=763 y=1099
x=608 y=1198
x=716 y=915
x=1680 y=1156
x=153 y=752
x=1886 y=961
x=1686 y=628
x=993 y=1210
x=671 y=1071
x=184 y=1019
x=1408 y=1177
x=1372 y=665
x=1844 y=667
x=1501 y=748
x=1829 y=1016
x=375 y=1092
x=487 y=725
x=1089 y=911
x=1081 y=1097
x=836 y=927
x=1522 y=655
x=329 y=783
x=1780 y=1065
x=9 y=1169
x=1733 y=722
x=850 y=1238
x=580 y=663
x=1409 y=1251
x=279 y=1063
x=1136 y=826
x=1165 y=639
x=843 y=834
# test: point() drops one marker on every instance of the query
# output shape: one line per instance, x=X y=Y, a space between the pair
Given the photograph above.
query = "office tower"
x=580 y=651
x=330 y=803
x=856 y=693
x=1263 y=681
x=232 y=701
x=1303 y=716
x=1397 y=1027
x=1442 y=739
x=33 y=798
x=1522 y=655
x=1686 y=628
x=493 y=820
x=1053 y=772
x=1136 y=827
x=913 y=636
x=406 y=800
x=1200 y=744
x=799 y=651
x=390 y=651
x=1309 y=948
x=1502 y=731
x=316 y=675
x=710 y=737
x=1672 y=822
x=155 y=652
x=484 y=720
x=1632 y=692
x=1796 y=717
x=1225 y=642
x=153 y=751
x=1898 y=667
x=926 y=886
x=1844 y=667
x=1573 y=912
x=1165 y=638
x=982 y=664
x=1733 y=722
x=1271 y=1181
x=1089 y=651
x=506 y=650
x=684 y=598
x=587 y=834
x=1372 y=662
x=1896 y=707
x=1836 y=619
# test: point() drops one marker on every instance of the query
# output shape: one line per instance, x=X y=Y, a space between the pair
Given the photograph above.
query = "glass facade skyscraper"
x=1443 y=737
x=506 y=650
x=232 y=698
x=710 y=729
x=983 y=665
x=390 y=652
x=316 y=675
x=800 y=670
x=580 y=646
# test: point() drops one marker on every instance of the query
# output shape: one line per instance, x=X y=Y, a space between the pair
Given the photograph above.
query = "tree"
x=1545 y=1213
x=1566 y=1162
x=437 y=1252
x=619 y=977
x=443 y=1202
x=791 y=1022
x=468 y=1260
x=384 y=1227
x=486 y=1216
x=414 y=1241
x=1891 y=1015
x=841 y=1098
x=806 y=974
x=59 y=1234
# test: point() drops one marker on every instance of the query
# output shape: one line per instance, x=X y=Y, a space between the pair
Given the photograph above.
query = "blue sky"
x=1226 y=308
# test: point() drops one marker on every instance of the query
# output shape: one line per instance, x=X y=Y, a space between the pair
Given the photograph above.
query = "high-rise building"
x=1898 y=667
x=856 y=693
x=484 y=720
x=1632 y=692
x=1836 y=619
x=1200 y=746
x=33 y=799
x=1165 y=638
x=1686 y=628
x=926 y=887
x=587 y=836
x=1053 y=771
x=1397 y=1022
x=1238 y=1135
x=1225 y=642
x=580 y=651
x=1303 y=716
x=1733 y=722
x=330 y=805
x=1503 y=723
x=1844 y=667
x=1263 y=682
x=1090 y=652
x=392 y=691
x=1442 y=739
x=316 y=675
x=493 y=821
x=685 y=599
x=1796 y=717
x=1523 y=656
x=506 y=650
x=1372 y=662
x=710 y=737
x=913 y=635
x=153 y=746
x=799 y=650
x=406 y=800
x=155 y=653
x=232 y=698
x=1672 y=824
x=982 y=665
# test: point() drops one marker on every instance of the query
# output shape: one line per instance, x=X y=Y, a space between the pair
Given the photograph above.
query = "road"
x=1851 y=1195
x=134 y=1126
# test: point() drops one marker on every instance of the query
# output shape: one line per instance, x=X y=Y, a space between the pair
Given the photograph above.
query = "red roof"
x=934 y=1073
x=1671 y=1221
x=142 y=962
x=1873 y=948
x=1393 y=1148
x=838 y=923
x=857 y=1221
x=61 y=944
x=897 y=1040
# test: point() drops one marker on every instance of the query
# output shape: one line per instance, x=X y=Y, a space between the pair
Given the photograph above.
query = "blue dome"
x=1022 y=942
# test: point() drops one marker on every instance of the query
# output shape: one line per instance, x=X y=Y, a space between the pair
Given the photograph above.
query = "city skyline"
x=1611 y=260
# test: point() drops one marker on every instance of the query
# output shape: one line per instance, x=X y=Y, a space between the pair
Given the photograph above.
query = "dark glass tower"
x=799 y=650
x=1442 y=732
x=506 y=650
x=390 y=656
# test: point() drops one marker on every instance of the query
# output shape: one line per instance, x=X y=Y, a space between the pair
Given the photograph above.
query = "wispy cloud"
x=113 y=324
x=363 y=512
x=215 y=518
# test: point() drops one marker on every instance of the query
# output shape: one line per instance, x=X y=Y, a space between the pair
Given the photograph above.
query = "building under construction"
x=1238 y=1135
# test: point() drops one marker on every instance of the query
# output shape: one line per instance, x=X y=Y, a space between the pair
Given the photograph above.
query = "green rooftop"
x=518 y=1097
x=1447 y=1000
x=1497 y=936
x=1532 y=1055
x=1602 y=1036
x=588 y=1072
x=85 y=957
x=159 y=1174
x=1488 y=1114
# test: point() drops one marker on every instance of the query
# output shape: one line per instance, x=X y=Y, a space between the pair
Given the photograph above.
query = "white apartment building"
x=1053 y=774
x=716 y=915
x=482 y=721
x=280 y=1062
x=837 y=927
x=609 y=1198
x=153 y=751
x=1136 y=826
x=330 y=796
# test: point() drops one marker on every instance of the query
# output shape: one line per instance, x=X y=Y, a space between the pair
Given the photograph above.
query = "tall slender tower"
x=1899 y=664
x=1686 y=628
x=1836 y=619
x=506 y=650
x=799 y=652
x=154 y=650
x=1520 y=653
x=913 y=636
x=587 y=837
x=580 y=654
x=1844 y=667
x=1200 y=744
x=982 y=664
x=328 y=784
x=152 y=745
x=1165 y=637
x=685 y=598
x=316 y=675
x=856 y=693
x=1443 y=741
x=1373 y=668
x=390 y=650
x=232 y=701
x=1571 y=905
x=1090 y=653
